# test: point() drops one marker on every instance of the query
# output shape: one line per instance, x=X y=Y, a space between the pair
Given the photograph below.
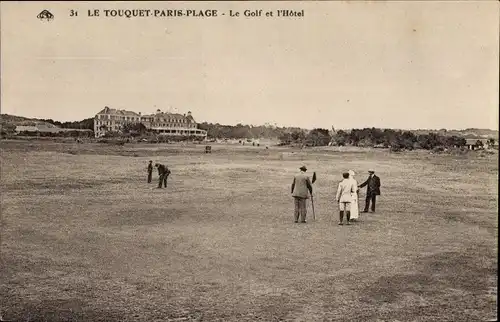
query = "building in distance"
x=160 y=123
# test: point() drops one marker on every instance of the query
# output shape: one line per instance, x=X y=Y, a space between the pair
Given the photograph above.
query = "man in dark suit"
x=163 y=173
x=373 y=190
x=150 y=171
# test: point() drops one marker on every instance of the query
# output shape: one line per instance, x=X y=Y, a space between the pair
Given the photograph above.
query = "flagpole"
x=312 y=197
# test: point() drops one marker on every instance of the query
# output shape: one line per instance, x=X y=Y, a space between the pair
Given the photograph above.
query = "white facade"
x=168 y=124
x=112 y=120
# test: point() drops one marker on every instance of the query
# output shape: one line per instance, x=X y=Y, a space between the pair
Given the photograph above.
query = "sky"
x=395 y=64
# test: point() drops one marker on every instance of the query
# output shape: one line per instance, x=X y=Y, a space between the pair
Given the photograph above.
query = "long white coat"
x=354 y=204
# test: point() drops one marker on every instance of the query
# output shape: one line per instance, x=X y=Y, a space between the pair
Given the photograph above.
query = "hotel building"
x=169 y=124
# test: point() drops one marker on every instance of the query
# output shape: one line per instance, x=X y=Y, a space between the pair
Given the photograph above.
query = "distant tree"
x=298 y=136
x=8 y=128
x=340 y=138
x=455 y=141
x=389 y=137
x=318 y=137
x=377 y=136
x=285 y=138
x=112 y=134
x=134 y=129
x=407 y=140
x=461 y=142
x=429 y=141
x=50 y=121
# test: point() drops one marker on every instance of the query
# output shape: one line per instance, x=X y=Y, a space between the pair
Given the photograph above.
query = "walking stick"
x=312 y=197
x=312 y=203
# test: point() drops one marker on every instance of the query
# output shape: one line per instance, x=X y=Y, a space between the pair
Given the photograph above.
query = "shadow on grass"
x=442 y=283
x=58 y=310
x=481 y=220
x=138 y=217
x=58 y=186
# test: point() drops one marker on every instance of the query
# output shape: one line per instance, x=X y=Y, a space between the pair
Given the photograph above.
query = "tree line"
x=66 y=134
x=240 y=131
x=374 y=137
x=397 y=139
x=86 y=124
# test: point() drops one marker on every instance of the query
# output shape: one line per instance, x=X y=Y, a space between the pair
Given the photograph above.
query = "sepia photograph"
x=249 y=161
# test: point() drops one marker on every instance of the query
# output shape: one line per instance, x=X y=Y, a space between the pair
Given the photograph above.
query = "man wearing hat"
x=373 y=190
x=150 y=171
x=301 y=188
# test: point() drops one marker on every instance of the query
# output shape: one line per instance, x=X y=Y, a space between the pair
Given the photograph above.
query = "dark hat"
x=371 y=171
x=303 y=168
x=150 y=161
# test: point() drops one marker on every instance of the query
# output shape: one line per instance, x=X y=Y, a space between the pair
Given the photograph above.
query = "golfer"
x=344 y=198
x=301 y=188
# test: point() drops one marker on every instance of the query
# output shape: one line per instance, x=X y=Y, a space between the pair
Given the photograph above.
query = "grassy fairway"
x=85 y=238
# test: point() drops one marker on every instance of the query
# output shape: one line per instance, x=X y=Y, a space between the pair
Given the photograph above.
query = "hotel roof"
x=113 y=111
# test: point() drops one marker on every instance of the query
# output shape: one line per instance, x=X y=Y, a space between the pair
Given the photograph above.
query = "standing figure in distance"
x=354 y=204
x=344 y=198
x=150 y=171
x=301 y=188
x=373 y=190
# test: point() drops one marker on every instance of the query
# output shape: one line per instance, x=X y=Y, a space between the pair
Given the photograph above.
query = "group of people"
x=163 y=173
x=346 y=196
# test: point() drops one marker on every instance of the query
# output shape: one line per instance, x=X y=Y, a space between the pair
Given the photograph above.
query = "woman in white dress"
x=354 y=204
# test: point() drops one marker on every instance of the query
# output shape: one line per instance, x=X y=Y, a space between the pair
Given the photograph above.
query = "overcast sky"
x=348 y=64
